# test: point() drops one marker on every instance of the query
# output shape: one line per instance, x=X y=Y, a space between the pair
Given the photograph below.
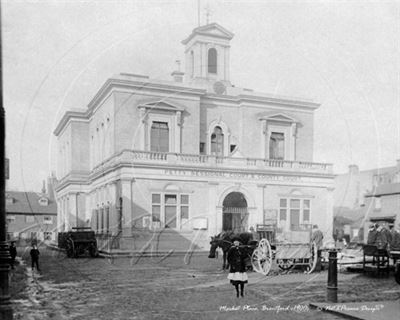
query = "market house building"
x=190 y=157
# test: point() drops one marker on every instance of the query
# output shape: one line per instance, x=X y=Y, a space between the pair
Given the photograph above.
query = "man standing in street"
x=317 y=236
x=35 y=257
x=13 y=254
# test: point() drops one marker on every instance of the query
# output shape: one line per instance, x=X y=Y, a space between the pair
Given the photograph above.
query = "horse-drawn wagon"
x=78 y=241
x=296 y=249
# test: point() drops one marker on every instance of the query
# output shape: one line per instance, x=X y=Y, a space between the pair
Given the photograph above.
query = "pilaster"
x=126 y=194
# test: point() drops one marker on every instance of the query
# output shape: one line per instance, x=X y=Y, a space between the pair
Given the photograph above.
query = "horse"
x=224 y=240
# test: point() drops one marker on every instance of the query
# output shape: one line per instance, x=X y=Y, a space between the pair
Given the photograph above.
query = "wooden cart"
x=286 y=254
x=78 y=242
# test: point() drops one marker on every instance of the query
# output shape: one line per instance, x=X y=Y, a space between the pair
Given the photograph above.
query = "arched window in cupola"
x=217 y=142
x=212 y=60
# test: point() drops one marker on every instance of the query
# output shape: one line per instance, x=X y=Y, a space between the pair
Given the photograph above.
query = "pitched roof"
x=28 y=203
x=385 y=189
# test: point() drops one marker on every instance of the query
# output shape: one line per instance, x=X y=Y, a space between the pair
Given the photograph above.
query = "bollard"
x=332 y=277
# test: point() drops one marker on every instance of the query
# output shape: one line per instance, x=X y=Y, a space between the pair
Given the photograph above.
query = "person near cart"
x=372 y=233
x=35 y=257
x=317 y=236
x=13 y=254
x=237 y=273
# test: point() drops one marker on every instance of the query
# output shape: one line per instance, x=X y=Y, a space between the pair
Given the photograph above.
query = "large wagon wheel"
x=285 y=264
x=312 y=262
x=261 y=259
x=70 y=249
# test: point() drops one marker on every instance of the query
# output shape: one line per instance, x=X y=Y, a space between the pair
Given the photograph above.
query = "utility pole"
x=5 y=306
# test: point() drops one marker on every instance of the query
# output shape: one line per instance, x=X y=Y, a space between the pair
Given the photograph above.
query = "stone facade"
x=196 y=157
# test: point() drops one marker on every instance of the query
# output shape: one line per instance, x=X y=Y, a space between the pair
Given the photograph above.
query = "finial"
x=208 y=11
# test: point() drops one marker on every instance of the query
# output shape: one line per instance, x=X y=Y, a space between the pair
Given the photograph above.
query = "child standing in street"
x=237 y=274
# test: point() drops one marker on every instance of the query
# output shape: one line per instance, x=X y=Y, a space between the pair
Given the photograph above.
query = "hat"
x=236 y=238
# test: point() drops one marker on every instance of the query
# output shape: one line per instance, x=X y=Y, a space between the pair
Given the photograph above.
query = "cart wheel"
x=285 y=264
x=312 y=262
x=70 y=249
x=261 y=259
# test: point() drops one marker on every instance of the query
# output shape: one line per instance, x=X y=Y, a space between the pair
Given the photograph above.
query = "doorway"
x=235 y=213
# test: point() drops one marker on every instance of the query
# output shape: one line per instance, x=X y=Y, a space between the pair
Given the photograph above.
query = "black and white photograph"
x=200 y=159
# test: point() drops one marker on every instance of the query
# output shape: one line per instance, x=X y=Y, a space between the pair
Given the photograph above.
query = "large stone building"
x=192 y=156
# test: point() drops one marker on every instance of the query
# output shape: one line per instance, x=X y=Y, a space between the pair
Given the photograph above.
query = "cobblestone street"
x=155 y=288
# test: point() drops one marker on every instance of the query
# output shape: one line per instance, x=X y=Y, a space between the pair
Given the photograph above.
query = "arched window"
x=217 y=142
x=212 y=60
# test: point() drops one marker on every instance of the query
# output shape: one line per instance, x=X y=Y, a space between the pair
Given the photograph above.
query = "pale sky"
x=342 y=54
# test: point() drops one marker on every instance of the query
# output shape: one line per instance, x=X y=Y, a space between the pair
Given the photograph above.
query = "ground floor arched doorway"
x=235 y=213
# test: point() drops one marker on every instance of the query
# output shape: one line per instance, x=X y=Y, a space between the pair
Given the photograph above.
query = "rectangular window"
x=184 y=211
x=47 y=220
x=173 y=210
x=299 y=211
x=277 y=146
x=282 y=210
x=378 y=204
x=202 y=148
x=10 y=219
x=306 y=211
x=30 y=219
x=156 y=207
x=294 y=213
x=170 y=210
x=159 y=137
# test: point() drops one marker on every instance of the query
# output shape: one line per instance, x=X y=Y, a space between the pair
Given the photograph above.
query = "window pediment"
x=279 y=117
x=162 y=105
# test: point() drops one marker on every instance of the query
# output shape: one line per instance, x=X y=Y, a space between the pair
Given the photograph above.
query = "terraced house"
x=190 y=157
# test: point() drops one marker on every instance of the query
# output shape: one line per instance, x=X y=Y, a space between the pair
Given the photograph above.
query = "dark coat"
x=372 y=234
x=236 y=259
x=13 y=252
x=35 y=254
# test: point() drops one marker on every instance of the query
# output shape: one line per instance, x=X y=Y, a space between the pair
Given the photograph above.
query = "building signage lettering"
x=234 y=175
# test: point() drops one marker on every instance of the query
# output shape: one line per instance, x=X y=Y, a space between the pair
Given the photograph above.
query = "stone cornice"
x=257 y=99
x=69 y=116
x=147 y=85
x=142 y=165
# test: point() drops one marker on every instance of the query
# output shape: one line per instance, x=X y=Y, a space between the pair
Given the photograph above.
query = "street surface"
x=175 y=288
